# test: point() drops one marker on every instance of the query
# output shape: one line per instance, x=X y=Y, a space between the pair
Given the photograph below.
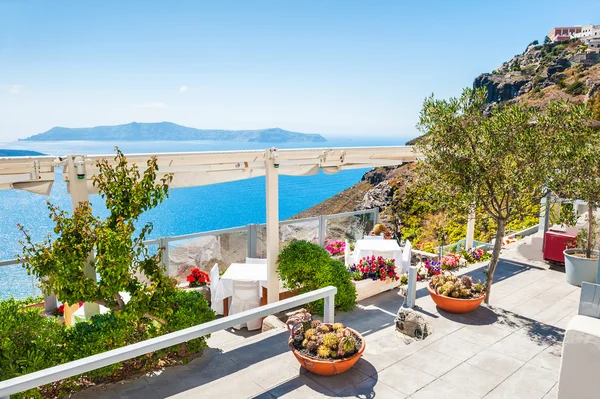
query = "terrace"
x=511 y=349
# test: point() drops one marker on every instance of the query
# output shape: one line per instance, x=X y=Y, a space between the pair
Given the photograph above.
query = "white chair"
x=246 y=295
x=406 y=256
x=347 y=254
x=256 y=261
x=373 y=237
x=215 y=305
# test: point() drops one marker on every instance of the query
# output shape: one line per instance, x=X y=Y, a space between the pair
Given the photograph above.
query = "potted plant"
x=576 y=175
x=580 y=267
x=374 y=275
x=454 y=294
x=198 y=280
x=323 y=348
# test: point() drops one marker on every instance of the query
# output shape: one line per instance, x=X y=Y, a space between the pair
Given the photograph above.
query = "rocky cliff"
x=542 y=73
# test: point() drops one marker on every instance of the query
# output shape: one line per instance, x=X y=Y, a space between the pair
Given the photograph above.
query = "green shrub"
x=307 y=267
x=30 y=342
x=561 y=83
x=577 y=88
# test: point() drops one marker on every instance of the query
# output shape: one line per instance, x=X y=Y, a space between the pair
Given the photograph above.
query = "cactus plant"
x=454 y=287
x=327 y=341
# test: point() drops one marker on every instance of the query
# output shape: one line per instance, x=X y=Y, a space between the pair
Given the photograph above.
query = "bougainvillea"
x=336 y=247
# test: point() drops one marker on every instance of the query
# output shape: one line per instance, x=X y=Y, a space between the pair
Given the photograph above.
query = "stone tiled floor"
x=509 y=350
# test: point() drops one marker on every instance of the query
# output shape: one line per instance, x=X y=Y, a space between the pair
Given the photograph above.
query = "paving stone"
x=301 y=387
x=166 y=383
x=431 y=361
x=101 y=392
x=553 y=393
x=532 y=307
x=508 y=390
x=136 y=389
x=472 y=379
x=406 y=379
x=534 y=377
x=549 y=358
x=519 y=347
x=456 y=348
x=229 y=387
x=440 y=389
x=270 y=373
x=372 y=388
x=481 y=335
x=340 y=382
x=495 y=362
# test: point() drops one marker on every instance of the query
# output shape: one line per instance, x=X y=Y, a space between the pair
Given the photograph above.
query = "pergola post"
x=272 y=191
x=79 y=194
x=470 y=229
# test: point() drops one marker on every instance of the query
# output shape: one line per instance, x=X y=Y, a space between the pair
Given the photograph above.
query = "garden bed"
x=368 y=288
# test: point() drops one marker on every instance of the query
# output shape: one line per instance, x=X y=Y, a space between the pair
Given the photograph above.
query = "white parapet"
x=580 y=359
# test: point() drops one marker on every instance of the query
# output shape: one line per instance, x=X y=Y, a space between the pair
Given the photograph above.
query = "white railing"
x=71 y=369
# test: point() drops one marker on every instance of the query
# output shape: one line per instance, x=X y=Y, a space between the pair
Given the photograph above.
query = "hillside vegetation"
x=541 y=74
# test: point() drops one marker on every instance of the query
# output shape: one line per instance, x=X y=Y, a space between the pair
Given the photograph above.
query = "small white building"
x=588 y=31
x=593 y=44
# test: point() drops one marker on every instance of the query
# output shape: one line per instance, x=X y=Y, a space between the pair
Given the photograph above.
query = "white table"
x=385 y=248
x=240 y=272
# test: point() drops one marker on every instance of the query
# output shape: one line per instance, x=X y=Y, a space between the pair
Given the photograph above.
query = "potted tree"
x=576 y=175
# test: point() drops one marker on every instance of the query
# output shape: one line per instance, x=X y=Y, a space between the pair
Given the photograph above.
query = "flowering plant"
x=473 y=255
x=426 y=247
x=375 y=268
x=336 y=247
x=198 y=278
x=428 y=268
x=450 y=262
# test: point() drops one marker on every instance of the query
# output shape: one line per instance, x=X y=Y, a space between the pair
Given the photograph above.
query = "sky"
x=354 y=68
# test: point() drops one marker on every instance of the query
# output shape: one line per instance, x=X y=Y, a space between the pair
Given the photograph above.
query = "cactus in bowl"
x=464 y=287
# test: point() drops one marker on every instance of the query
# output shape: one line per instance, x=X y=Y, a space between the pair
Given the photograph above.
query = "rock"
x=501 y=87
x=557 y=66
x=411 y=326
x=271 y=323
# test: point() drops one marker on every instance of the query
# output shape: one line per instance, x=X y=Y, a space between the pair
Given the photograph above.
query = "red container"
x=555 y=242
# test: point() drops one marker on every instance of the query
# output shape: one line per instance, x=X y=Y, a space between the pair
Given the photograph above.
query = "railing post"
x=411 y=291
x=251 y=241
x=322 y=230
x=329 y=304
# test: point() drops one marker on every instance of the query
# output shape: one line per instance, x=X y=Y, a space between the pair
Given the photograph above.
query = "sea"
x=187 y=210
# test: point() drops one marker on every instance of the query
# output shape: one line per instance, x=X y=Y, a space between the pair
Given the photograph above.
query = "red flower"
x=190 y=279
x=61 y=309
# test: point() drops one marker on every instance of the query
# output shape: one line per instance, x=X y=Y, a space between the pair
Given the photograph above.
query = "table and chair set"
x=243 y=286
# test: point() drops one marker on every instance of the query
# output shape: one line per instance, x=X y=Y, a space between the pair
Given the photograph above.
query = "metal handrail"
x=80 y=366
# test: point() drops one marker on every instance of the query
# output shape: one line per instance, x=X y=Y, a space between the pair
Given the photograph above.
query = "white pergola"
x=36 y=174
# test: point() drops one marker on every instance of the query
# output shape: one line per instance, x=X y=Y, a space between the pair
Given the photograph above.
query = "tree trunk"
x=590 y=244
x=495 y=256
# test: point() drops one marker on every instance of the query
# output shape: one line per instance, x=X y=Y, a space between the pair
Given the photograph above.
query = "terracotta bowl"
x=455 y=305
x=328 y=367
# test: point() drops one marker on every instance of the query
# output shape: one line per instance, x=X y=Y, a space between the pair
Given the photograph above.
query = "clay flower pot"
x=455 y=305
x=328 y=366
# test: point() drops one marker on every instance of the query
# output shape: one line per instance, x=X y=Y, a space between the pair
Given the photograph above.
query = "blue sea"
x=187 y=210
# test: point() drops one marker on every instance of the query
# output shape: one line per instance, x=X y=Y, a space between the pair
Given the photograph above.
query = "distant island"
x=18 y=153
x=170 y=131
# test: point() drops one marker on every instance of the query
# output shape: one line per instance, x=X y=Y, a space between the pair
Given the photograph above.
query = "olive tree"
x=494 y=159
x=121 y=259
x=576 y=173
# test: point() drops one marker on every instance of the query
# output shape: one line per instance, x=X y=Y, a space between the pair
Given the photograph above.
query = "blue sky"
x=359 y=68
